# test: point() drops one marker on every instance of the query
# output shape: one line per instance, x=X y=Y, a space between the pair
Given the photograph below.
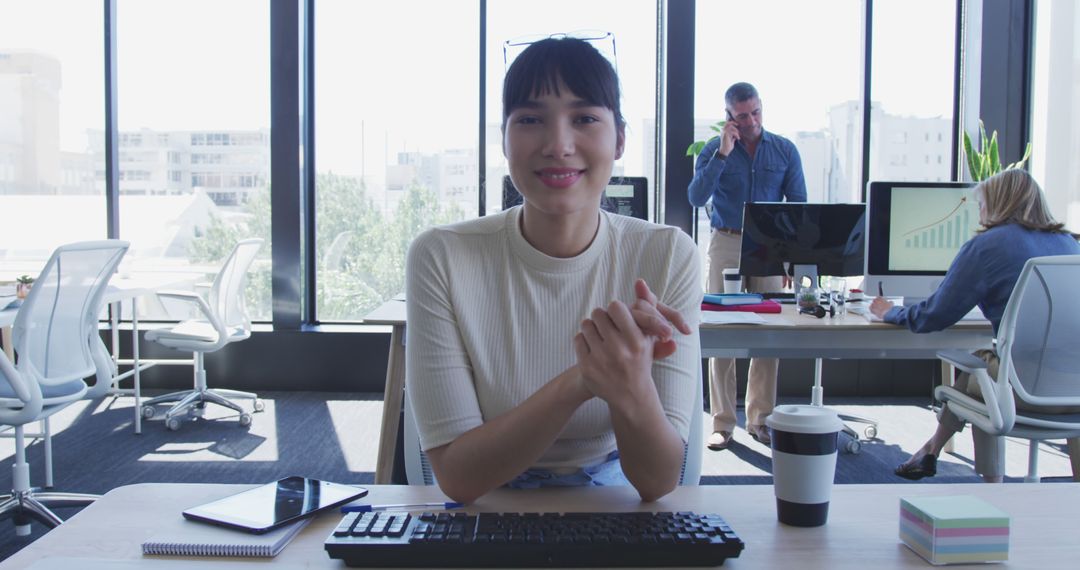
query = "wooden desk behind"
x=785 y=335
x=861 y=532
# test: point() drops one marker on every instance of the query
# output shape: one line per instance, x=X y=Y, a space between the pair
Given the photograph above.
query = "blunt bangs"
x=578 y=64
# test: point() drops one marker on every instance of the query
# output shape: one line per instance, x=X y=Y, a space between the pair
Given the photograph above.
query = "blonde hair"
x=1013 y=197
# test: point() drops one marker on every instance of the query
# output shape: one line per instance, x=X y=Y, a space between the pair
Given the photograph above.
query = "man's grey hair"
x=740 y=92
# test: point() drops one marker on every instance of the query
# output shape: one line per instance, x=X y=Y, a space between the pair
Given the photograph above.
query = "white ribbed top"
x=491 y=320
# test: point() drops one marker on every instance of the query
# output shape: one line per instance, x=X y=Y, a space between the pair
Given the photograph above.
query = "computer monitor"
x=914 y=230
x=813 y=239
x=626 y=195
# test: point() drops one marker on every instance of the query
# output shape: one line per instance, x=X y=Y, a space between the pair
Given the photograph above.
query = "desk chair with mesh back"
x=57 y=343
x=418 y=469
x=1039 y=362
x=224 y=321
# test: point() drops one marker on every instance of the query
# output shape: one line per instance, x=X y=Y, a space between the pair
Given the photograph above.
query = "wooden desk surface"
x=861 y=532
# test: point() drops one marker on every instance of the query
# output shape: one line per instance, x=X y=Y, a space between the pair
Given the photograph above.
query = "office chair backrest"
x=227 y=292
x=57 y=322
x=1039 y=335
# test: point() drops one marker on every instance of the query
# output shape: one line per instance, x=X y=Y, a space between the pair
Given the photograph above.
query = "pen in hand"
x=401 y=507
x=880 y=290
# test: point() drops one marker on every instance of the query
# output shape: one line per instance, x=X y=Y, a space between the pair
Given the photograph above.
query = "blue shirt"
x=774 y=174
x=983 y=273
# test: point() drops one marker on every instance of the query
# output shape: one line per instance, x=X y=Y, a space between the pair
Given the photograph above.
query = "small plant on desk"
x=808 y=297
x=22 y=286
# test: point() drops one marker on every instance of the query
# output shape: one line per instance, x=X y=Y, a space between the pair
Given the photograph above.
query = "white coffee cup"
x=732 y=280
x=803 y=462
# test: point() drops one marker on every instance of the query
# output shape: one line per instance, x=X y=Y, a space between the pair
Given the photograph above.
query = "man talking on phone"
x=745 y=163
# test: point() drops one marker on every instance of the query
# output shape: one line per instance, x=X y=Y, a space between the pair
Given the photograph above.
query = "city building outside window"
x=1055 y=132
x=194 y=137
x=51 y=98
x=396 y=131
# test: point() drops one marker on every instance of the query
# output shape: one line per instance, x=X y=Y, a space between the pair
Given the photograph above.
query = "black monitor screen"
x=829 y=236
x=626 y=195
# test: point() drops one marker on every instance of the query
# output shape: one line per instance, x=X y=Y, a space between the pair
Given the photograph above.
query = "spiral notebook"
x=190 y=538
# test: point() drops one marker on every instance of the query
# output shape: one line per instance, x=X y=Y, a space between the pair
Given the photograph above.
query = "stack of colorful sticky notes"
x=954 y=529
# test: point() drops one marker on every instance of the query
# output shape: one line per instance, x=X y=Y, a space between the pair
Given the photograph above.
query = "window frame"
x=292 y=123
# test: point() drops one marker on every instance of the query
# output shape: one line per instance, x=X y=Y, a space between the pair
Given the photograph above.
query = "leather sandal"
x=924 y=467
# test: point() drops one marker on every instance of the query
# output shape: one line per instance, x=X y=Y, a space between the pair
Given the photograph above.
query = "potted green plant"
x=695 y=147
x=808 y=297
x=984 y=163
x=22 y=286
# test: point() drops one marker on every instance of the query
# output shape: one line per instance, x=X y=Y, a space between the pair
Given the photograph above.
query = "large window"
x=51 y=117
x=1056 y=107
x=396 y=140
x=810 y=88
x=194 y=142
x=631 y=45
x=912 y=89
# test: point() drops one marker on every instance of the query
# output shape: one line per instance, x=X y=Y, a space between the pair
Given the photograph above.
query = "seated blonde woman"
x=1016 y=226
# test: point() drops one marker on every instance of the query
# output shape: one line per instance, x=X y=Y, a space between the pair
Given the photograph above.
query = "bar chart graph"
x=928 y=226
x=949 y=233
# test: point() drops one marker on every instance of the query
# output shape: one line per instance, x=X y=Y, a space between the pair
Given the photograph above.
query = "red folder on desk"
x=766 y=306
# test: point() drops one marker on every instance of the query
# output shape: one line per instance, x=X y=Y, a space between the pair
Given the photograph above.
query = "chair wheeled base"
x=24 y=506
x=193 y=402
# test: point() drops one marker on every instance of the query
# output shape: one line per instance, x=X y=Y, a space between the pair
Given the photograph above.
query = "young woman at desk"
x=1016 y=226
x=535 y=354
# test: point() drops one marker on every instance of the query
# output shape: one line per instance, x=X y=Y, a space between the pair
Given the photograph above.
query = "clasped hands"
x=617 y=345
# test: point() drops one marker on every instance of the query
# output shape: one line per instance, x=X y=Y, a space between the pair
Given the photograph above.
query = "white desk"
x=121 y=290
x=791 y=335
x=784 y=335
x=861 y=532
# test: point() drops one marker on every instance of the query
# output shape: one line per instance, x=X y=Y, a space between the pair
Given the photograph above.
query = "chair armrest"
x=196 y=299
x=18 y=385
x=995 y=414
x=105 y=368
x=180 y=294
x=962 y=359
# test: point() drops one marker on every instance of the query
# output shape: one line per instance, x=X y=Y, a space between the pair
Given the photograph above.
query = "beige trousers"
x=724 y=250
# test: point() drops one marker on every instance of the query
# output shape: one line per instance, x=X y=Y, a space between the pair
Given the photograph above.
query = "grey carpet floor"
x=334 y=436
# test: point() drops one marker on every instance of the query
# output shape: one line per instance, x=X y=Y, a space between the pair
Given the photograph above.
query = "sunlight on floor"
x=218 y=436
x=356 y=427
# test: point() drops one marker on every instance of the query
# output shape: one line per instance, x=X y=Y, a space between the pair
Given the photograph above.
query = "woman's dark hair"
x=580 y=66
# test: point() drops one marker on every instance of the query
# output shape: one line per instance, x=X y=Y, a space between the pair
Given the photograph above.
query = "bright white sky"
x=202 y=64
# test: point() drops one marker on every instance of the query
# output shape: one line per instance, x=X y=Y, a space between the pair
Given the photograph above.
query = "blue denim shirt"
x=774 y=174
x=983 y=273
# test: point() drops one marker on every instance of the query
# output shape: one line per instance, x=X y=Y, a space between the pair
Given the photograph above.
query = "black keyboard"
x=403 y=540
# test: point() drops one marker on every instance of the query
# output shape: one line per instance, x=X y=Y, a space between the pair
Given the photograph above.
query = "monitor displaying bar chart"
x=928 y=226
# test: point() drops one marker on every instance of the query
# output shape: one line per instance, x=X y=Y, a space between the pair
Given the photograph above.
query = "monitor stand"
x=804 y=271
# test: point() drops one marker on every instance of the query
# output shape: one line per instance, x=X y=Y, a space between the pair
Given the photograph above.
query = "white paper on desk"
x=731 y=318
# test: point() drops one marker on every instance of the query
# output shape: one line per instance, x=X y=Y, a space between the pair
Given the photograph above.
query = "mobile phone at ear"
x=272 y=505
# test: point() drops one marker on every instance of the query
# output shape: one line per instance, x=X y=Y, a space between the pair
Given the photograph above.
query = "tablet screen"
x=275 y=504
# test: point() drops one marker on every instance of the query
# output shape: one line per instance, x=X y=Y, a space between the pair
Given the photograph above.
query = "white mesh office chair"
x=1038 y=344
x=418 y=469
x=224 y=321
x=57 y=346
